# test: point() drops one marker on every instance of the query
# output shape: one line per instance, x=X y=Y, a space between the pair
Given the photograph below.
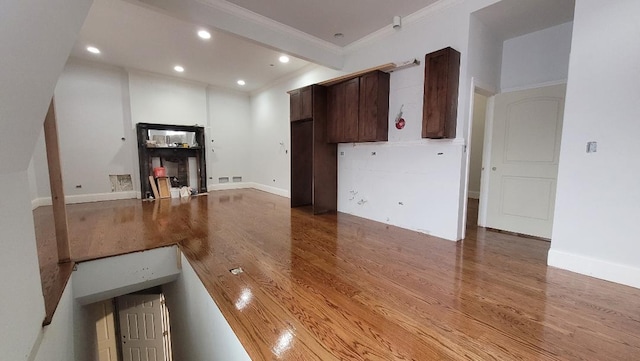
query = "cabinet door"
x=301 y=163
x=306 y=108
x=335 y=107
x=295 y=105
x=351 y=110
x=441 y=74
x=373 y=123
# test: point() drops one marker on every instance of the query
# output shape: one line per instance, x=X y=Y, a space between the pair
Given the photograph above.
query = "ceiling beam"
x=225 y=16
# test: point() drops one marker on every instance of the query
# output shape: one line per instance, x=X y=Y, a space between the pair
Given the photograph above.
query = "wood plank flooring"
x=339 y=287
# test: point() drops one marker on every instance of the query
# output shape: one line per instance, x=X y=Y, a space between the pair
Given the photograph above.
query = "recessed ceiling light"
x=178 y=68
x=93 y=49
x=284 y=59
x=204 y=34
x=241 y=82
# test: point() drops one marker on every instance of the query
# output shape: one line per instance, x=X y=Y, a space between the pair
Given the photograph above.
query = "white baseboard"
x=86 y=198
x=39 y=202
x=226 y=186
x=473 y=194
x=241 y=185
x=605 y=270
x=112 y=196
x=273 y=190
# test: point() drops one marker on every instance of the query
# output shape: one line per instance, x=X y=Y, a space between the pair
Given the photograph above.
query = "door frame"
x=487 y=146
x=475 y=87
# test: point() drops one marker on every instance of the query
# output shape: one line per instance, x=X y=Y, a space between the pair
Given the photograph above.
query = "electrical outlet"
x=592 y=147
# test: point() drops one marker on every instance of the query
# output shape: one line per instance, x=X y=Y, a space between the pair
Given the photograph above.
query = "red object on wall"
x=159 y=172
x=400 y=123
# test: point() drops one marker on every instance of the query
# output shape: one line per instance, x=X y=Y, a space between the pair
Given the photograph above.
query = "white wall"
x=36 y=38
x=92 y=116
x=111 y=277
x=538 y=58
x=199 y=331
x=97 y=105
x=58 y=337
x=23 y=303
x=598 y=195
x=229 y=155
x=270 y=161
x=163 y=100
x=485 y=56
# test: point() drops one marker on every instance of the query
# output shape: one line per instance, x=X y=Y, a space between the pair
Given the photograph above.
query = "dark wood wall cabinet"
x=171 y=146
x=301 y=103
x=441 y=75
x=314 y=171
x=358 y=109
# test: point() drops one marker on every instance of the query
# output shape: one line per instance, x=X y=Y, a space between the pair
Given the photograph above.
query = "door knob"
x=493 y=168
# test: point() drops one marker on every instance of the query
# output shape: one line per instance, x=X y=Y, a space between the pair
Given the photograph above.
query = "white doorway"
x=476 y=150
x=103 y=316
x=522 y=168
x=144 y=327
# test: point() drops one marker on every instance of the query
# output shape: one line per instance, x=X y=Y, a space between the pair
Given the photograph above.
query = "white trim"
x=87 y=198
x=534 y=86
x=243 y=185
x=227 y=186
x=269 y=189
x=98 y=197
x=614 y=272
x=39 y=202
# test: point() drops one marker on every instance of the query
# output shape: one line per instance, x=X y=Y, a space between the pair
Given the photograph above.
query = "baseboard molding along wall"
x=86 y=198
x=113 y=196
x=604 y=270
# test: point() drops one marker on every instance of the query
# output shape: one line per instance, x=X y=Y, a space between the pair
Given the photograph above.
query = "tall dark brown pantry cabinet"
x=314 y=180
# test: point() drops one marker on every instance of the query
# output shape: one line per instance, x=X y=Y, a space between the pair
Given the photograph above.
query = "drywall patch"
x=120 y=183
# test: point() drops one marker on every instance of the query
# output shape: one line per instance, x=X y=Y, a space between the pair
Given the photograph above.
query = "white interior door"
x=527 y=127
x=102 y=314
x=141 y=327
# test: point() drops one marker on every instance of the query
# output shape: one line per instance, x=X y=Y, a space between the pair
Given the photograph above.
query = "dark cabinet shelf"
x=441 y=75
x=314 y=179
x=358 y=109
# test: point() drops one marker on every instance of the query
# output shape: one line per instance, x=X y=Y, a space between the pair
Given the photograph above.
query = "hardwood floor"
x=339 y=287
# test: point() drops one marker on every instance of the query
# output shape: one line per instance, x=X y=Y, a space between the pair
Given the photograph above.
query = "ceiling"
x=139 y=38
x=248 y=36
x=511 y=18
x=355 y=19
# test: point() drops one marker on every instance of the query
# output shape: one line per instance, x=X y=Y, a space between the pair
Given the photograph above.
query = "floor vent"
x=236 y=271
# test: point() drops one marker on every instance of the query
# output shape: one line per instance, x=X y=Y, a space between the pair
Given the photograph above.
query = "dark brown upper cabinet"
x=301 y=104
x=441 y=75
x=358 y=109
